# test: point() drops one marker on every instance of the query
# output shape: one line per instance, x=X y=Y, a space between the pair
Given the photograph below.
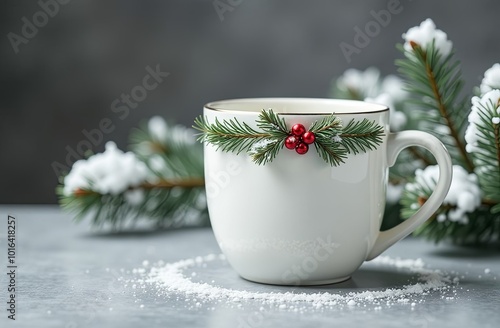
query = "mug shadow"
x=369 y=278
x=141 y=232
x=468 y=251
x=362 y=279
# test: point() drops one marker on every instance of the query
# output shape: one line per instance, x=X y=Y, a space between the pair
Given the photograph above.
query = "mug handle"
x=395 y=144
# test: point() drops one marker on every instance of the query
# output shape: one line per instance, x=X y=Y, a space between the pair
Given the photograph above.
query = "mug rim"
x=374 y=107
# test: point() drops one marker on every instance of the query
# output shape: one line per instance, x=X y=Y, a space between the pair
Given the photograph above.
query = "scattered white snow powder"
x=464 y=194
x=424 y=34
x=171 y=280
x=491 y=79
x=112 y=171
x=259 y=146
x=495 y=120
x=480 y=107
x=337 y=138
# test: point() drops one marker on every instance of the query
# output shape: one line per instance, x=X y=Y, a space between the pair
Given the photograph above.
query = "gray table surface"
x=69 y=276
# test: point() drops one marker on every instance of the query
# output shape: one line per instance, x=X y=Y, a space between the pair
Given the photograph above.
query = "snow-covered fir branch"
x=424 y=35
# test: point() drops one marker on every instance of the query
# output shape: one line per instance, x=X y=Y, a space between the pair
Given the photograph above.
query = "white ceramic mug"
x=298 y=220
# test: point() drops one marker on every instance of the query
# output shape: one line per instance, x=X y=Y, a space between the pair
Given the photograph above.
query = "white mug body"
x=296 y=220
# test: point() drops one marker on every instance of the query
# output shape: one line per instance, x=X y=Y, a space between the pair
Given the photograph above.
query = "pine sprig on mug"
x=361 y=136
x=332 y=141
x=233 y=136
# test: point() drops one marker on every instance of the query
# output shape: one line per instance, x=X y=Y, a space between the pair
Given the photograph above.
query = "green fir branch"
x=172 y=197
x=487 y=159
x=437 y=82
x=482 y=227
x=165 y=204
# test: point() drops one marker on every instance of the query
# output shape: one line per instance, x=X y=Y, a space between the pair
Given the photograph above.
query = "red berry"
x=291 y=142
x=298 y=130
x=302 y=148
x=309 y=137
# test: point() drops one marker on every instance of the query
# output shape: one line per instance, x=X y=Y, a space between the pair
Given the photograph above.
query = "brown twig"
x=182 y=183
x=162 y=184
x=157 y=147
x=485 y=202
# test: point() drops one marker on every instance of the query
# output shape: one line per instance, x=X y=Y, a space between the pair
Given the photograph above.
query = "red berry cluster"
x=299 y=139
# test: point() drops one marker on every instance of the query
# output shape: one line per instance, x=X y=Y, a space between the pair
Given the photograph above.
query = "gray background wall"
x=65 y=78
